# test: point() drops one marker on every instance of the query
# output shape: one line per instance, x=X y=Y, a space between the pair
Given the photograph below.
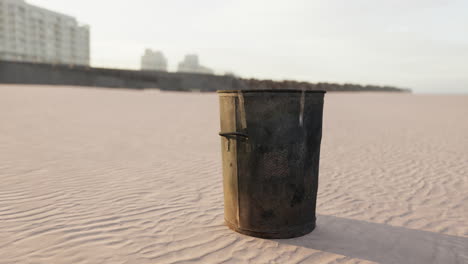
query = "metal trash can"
x=271 y=151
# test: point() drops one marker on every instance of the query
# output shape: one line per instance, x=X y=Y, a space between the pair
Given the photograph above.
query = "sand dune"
x=119 y=176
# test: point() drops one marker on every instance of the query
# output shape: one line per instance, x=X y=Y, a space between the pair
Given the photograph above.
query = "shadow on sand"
x=382 y=243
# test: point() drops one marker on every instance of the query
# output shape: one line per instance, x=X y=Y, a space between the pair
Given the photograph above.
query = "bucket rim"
x=272 y=91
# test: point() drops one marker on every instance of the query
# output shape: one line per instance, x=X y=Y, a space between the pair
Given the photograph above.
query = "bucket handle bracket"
x=230 y=135
x=233 y=135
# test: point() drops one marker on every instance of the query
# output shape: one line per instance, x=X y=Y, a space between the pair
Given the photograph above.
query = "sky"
x=416 y=44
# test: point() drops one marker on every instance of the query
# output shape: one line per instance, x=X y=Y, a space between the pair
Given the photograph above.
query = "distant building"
x=191 y=64
x=153 y=61
x=30 y=33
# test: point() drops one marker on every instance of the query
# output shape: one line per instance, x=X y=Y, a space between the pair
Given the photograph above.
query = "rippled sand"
x=118 y=176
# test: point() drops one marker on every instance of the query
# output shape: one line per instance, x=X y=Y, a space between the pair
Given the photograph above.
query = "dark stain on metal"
x=268 y=214
x=298 y=196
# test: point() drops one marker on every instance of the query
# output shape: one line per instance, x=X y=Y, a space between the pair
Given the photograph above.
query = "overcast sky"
x=418 y=44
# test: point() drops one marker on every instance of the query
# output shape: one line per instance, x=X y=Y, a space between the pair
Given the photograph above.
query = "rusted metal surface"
x=271 y=151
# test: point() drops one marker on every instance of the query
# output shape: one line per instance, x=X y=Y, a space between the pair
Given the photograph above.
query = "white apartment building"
x=33 y=34
x=153 y=61
x=191 y=64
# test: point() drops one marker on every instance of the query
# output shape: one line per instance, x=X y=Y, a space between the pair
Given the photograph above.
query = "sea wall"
x=53 y=74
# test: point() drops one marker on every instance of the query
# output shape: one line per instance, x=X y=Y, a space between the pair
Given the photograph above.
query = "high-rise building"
x=31 y=33
x=191 y=64
x=153 y=61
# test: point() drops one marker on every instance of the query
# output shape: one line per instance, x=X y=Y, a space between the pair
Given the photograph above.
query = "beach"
x=94 y=175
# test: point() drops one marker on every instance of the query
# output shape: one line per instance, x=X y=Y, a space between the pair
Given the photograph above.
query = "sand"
x=120 y=176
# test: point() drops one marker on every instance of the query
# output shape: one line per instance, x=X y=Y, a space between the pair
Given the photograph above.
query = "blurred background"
x=419 y=44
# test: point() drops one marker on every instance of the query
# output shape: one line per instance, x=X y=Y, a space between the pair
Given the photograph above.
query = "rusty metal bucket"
x=271 y=150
